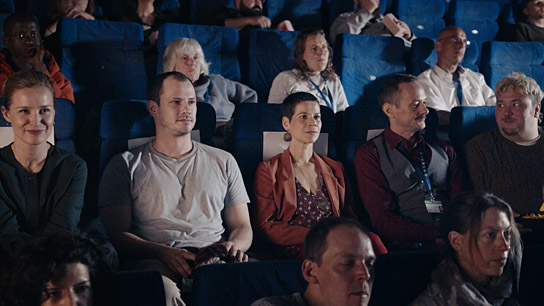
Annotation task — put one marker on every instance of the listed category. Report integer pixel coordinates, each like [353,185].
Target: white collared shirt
[442,94]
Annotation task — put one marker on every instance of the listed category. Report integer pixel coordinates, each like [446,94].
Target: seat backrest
[500,58]
[130,288]
[126,123]
[220,45]
[362,75]
[240,284]
[7,7]
[270,52]
[477,18]
[254,127]
[423,56]
[304,14]
[467,122]
[3,17]
[200,10]
[424,17]
[103,59]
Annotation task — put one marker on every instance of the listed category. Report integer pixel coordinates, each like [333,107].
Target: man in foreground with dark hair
[338,266]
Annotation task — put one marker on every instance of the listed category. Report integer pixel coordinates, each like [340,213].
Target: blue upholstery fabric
[65,124]
[3,17]
[270,52]
[7,6]
[200,10]
[467,122]
[220,45]
[240,284]
[362,75]
[128,119]
[251,120]
[502,58]
[303,14]
[423,56]
[476,18]
[424,17]
[103,59]
[130,288]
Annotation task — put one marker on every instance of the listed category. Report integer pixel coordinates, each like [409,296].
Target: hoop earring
[287,137]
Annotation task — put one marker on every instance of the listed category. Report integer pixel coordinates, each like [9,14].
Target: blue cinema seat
[124,121]
[424,17]
[270,52]
[502,58]
[423,56]
[255,127]
[7,6]
[304,14]
[200,10]
[363,61]
[65,125]
[3,17]
[467,122]
[477,18]
[129,288]
[220,45]
[103,59]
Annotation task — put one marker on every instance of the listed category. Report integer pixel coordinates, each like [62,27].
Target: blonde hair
[183,46]
[525,85]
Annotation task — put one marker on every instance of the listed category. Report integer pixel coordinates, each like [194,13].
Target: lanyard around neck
[329,101]
[421,169]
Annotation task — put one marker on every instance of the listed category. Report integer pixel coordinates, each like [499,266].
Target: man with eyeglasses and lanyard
[448,84]
[24,51]
[404,179]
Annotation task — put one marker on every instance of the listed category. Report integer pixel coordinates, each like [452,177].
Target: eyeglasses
[455,39]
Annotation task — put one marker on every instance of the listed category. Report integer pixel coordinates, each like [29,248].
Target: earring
[287,137]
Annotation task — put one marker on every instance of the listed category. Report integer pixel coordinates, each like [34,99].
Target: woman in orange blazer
[295,189]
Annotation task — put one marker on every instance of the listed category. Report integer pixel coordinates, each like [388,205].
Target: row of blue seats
[104,60]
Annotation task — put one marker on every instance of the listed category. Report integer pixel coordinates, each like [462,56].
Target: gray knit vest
[407,188]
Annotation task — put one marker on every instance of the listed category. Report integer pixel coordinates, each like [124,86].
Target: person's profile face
[305,124]
[534,9]
[316,53]
[71,285]
[23,39]
[176,113]
[31,114]
[346,273]
[489,255]
[410,114]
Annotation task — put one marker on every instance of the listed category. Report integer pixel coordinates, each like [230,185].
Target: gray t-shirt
[177,202]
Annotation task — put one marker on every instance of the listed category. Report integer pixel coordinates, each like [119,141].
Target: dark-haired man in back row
[24,51]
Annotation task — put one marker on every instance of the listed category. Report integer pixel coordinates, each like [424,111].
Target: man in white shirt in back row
[448,84]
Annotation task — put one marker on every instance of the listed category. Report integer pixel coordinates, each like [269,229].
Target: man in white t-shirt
[166,199]
[448,84]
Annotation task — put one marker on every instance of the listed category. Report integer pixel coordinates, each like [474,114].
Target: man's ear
[5,40]
[309,269]
[152,107]
[388,109]
[456,240]
[537,110]
[525,11]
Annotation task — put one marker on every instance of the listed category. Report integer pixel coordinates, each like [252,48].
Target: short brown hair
[25,79]
[155,90]
[389,91]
